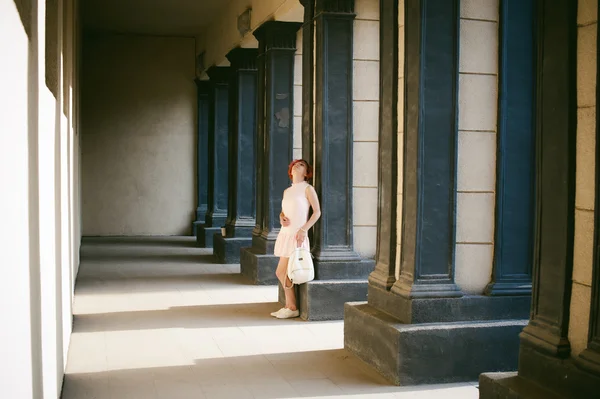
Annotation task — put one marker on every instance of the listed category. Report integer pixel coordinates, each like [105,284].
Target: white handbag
[300,267]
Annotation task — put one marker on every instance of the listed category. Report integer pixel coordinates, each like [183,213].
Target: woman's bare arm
[313,199]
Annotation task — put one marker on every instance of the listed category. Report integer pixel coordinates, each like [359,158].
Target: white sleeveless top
[295,207]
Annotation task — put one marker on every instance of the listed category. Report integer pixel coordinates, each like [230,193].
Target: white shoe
[286,313]
[274,314]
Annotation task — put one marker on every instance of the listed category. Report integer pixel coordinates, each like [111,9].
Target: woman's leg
[290,294]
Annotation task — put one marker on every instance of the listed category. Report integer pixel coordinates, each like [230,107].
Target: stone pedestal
[218,138]
[242,174]
[277,45]
[408,354]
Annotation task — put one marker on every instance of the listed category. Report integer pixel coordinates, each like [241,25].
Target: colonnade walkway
[156,318]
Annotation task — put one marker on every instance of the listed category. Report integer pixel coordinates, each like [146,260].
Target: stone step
[227,250]
[258,268]
[324,299]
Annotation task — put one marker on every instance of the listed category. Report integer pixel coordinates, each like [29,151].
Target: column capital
[202,85]
[339,7]
[243,58]
[309,16]
[277,35]
[218,75]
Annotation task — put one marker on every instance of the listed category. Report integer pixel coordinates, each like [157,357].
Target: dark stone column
[431,128]
[421,330]
[333,245]
[277,42]
[242,174]
[384,275]
[308,86]
[203,87]
[340,273]
[545,363]
[218,137]
[260,140]
[513,244]
[308,80]
[556,128]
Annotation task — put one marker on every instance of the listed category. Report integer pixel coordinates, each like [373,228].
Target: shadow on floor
[155,257]
[143,241]
[316,374]
[200,316]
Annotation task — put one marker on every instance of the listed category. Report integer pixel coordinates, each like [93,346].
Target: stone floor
[155,318]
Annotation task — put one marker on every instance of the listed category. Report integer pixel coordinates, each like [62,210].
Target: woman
[294,231]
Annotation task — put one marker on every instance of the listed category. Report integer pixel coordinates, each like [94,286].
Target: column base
[343,269]
[196,226]
[412,354]
[558,375]
[227,249]
[205,236]
[258,267]
[510,385]
[324,299]
[434,310]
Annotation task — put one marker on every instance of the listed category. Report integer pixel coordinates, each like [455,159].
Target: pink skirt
[286,243]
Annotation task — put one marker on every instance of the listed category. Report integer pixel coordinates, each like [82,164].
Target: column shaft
[217,147]
[515,177]
[260,143]
[555,177]
[335,257]
[308,79]
[242,137]
[279,47]
[384,274]
[203,88]
[431,79]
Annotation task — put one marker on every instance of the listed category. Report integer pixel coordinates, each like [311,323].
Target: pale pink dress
[295,206]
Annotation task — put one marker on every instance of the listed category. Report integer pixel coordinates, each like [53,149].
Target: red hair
[309,169]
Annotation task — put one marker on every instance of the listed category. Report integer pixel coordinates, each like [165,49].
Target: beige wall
[38,159]
[478,103]
[139,135]
[585,177]
[366,125]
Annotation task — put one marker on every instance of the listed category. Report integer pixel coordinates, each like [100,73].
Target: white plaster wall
[17,254]
[138,135]
[478,103]
[366,125]
[33,159]
[585,174]
[298,97]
